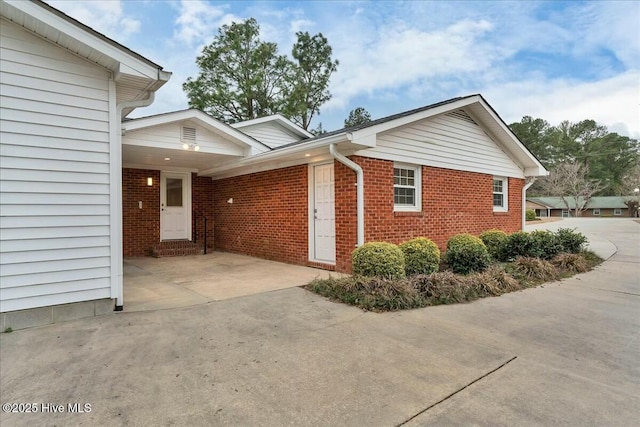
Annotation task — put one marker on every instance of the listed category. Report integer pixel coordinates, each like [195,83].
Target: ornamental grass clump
[573,263]
[466,253]
[494,281]
[378,259]
[534,269]
[421,256]
[494,240]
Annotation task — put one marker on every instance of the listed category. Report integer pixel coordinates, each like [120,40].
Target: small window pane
[497,185]
[498,200]
[174,192]
[404,196]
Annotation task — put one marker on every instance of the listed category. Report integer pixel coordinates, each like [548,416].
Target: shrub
[421,256]
[546,245]
[466,253]
[378,259]
[494,240]
[517,244]
[570,240]
[530,215]
[535,269]
[574,263]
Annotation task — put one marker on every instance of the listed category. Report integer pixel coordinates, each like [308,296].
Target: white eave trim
[281,120]
[142,68]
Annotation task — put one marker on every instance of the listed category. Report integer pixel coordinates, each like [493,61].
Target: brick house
[82,185]
[596,207]
[270,189]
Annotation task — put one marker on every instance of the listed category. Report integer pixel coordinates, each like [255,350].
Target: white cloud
[613,102]
[104,16]
[198,21]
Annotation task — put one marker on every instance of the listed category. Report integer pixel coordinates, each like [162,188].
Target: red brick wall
[140,227]
[452,202]
[268,217]
[269,214]
[202,205]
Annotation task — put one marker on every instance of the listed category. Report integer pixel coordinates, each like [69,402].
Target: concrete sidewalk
[562,354]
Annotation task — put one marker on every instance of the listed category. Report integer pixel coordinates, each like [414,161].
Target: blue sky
[555,60]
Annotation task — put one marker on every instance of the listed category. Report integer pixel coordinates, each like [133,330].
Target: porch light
[150,181]
[193,146]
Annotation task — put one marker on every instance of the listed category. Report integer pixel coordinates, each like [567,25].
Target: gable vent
[188,133]
[462,115]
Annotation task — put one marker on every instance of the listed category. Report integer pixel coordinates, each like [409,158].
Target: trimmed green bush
[530,215]
[494,240]
[546,244]
[378,259]
[421,256]
[570,240]
[466,253]
[518,244]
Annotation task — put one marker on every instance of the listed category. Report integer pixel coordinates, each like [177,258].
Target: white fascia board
[283,121]
[298,149]
[366,133]
[195,115]
[89,39]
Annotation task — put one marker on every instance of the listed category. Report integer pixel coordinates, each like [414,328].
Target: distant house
[597,207]
[83,186]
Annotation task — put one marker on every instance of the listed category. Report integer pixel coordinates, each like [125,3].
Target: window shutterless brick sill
[408,213]
[500,213]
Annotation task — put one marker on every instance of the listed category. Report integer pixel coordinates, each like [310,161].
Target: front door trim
[186,188]
[311,221]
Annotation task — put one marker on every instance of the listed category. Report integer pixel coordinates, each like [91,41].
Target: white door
[324,223]
[175,206]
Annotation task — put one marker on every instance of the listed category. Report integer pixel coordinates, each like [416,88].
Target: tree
[631,190]
[570,181]
[310,81]
[319,130]
[607,155]
[241,77]
[357,116]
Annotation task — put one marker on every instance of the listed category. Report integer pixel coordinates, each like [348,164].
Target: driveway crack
[457,391]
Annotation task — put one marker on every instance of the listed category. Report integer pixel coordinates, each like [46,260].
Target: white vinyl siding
[170,137]
[450,141]
[270,134]
[54,172]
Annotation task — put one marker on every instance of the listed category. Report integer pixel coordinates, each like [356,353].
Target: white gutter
[359,191]
[116,198]
[528,183]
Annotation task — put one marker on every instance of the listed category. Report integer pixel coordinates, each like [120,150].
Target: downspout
[359,190]
[116,197]
[528,183]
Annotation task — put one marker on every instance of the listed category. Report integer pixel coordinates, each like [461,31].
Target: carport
[161,283]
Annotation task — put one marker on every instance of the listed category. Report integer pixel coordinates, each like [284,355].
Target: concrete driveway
[161,283]
[562,354]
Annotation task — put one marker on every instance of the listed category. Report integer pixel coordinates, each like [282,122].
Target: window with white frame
[500,194]
[406,188]
[617,211]
[596,212]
